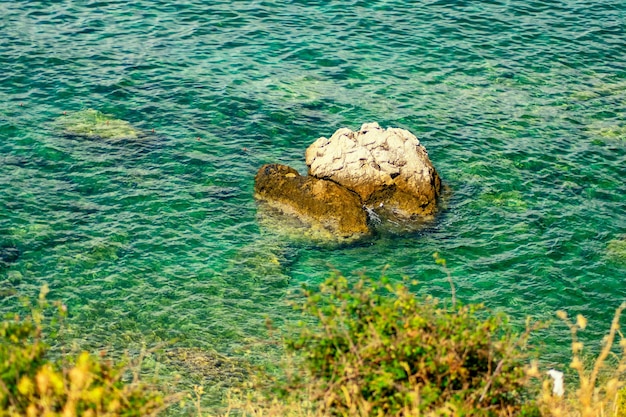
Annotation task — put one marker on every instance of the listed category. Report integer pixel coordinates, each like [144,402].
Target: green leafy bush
[374,348]
[33,385]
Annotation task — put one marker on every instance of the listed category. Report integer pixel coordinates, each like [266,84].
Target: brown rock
[320,203]
[386,168]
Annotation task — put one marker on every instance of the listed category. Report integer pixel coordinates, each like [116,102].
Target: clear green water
[521,105]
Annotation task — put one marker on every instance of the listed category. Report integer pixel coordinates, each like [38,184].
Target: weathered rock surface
[323,204]
[371,179]
[388,169]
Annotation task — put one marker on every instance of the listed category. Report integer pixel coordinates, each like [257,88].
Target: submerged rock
[323,205]
[263,262]
[9,254]
[607,131]
[386,168]
[206,366]
[616,250]
[93,124]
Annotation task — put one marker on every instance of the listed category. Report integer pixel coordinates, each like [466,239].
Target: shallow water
[520,104]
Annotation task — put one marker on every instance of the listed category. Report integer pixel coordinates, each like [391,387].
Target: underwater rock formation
[616,250]
[206,366]
[356,181]
[320,203]
[9,254]
[93,124]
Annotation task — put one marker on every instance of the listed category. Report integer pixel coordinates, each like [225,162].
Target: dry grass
[600,391]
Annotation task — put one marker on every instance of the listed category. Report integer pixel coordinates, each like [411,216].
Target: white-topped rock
[388,168]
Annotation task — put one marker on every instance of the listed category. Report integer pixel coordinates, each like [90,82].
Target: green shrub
[33,385]
[374,348]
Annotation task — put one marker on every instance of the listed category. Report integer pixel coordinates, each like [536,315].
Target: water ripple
[520,104]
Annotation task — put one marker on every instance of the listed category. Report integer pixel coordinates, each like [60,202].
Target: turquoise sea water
[521,105]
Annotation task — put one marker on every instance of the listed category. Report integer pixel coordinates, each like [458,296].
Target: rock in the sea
[93,124]
[9,254]
[371,179]
[616,250]
[206,366]
[388,169]
[323,205]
